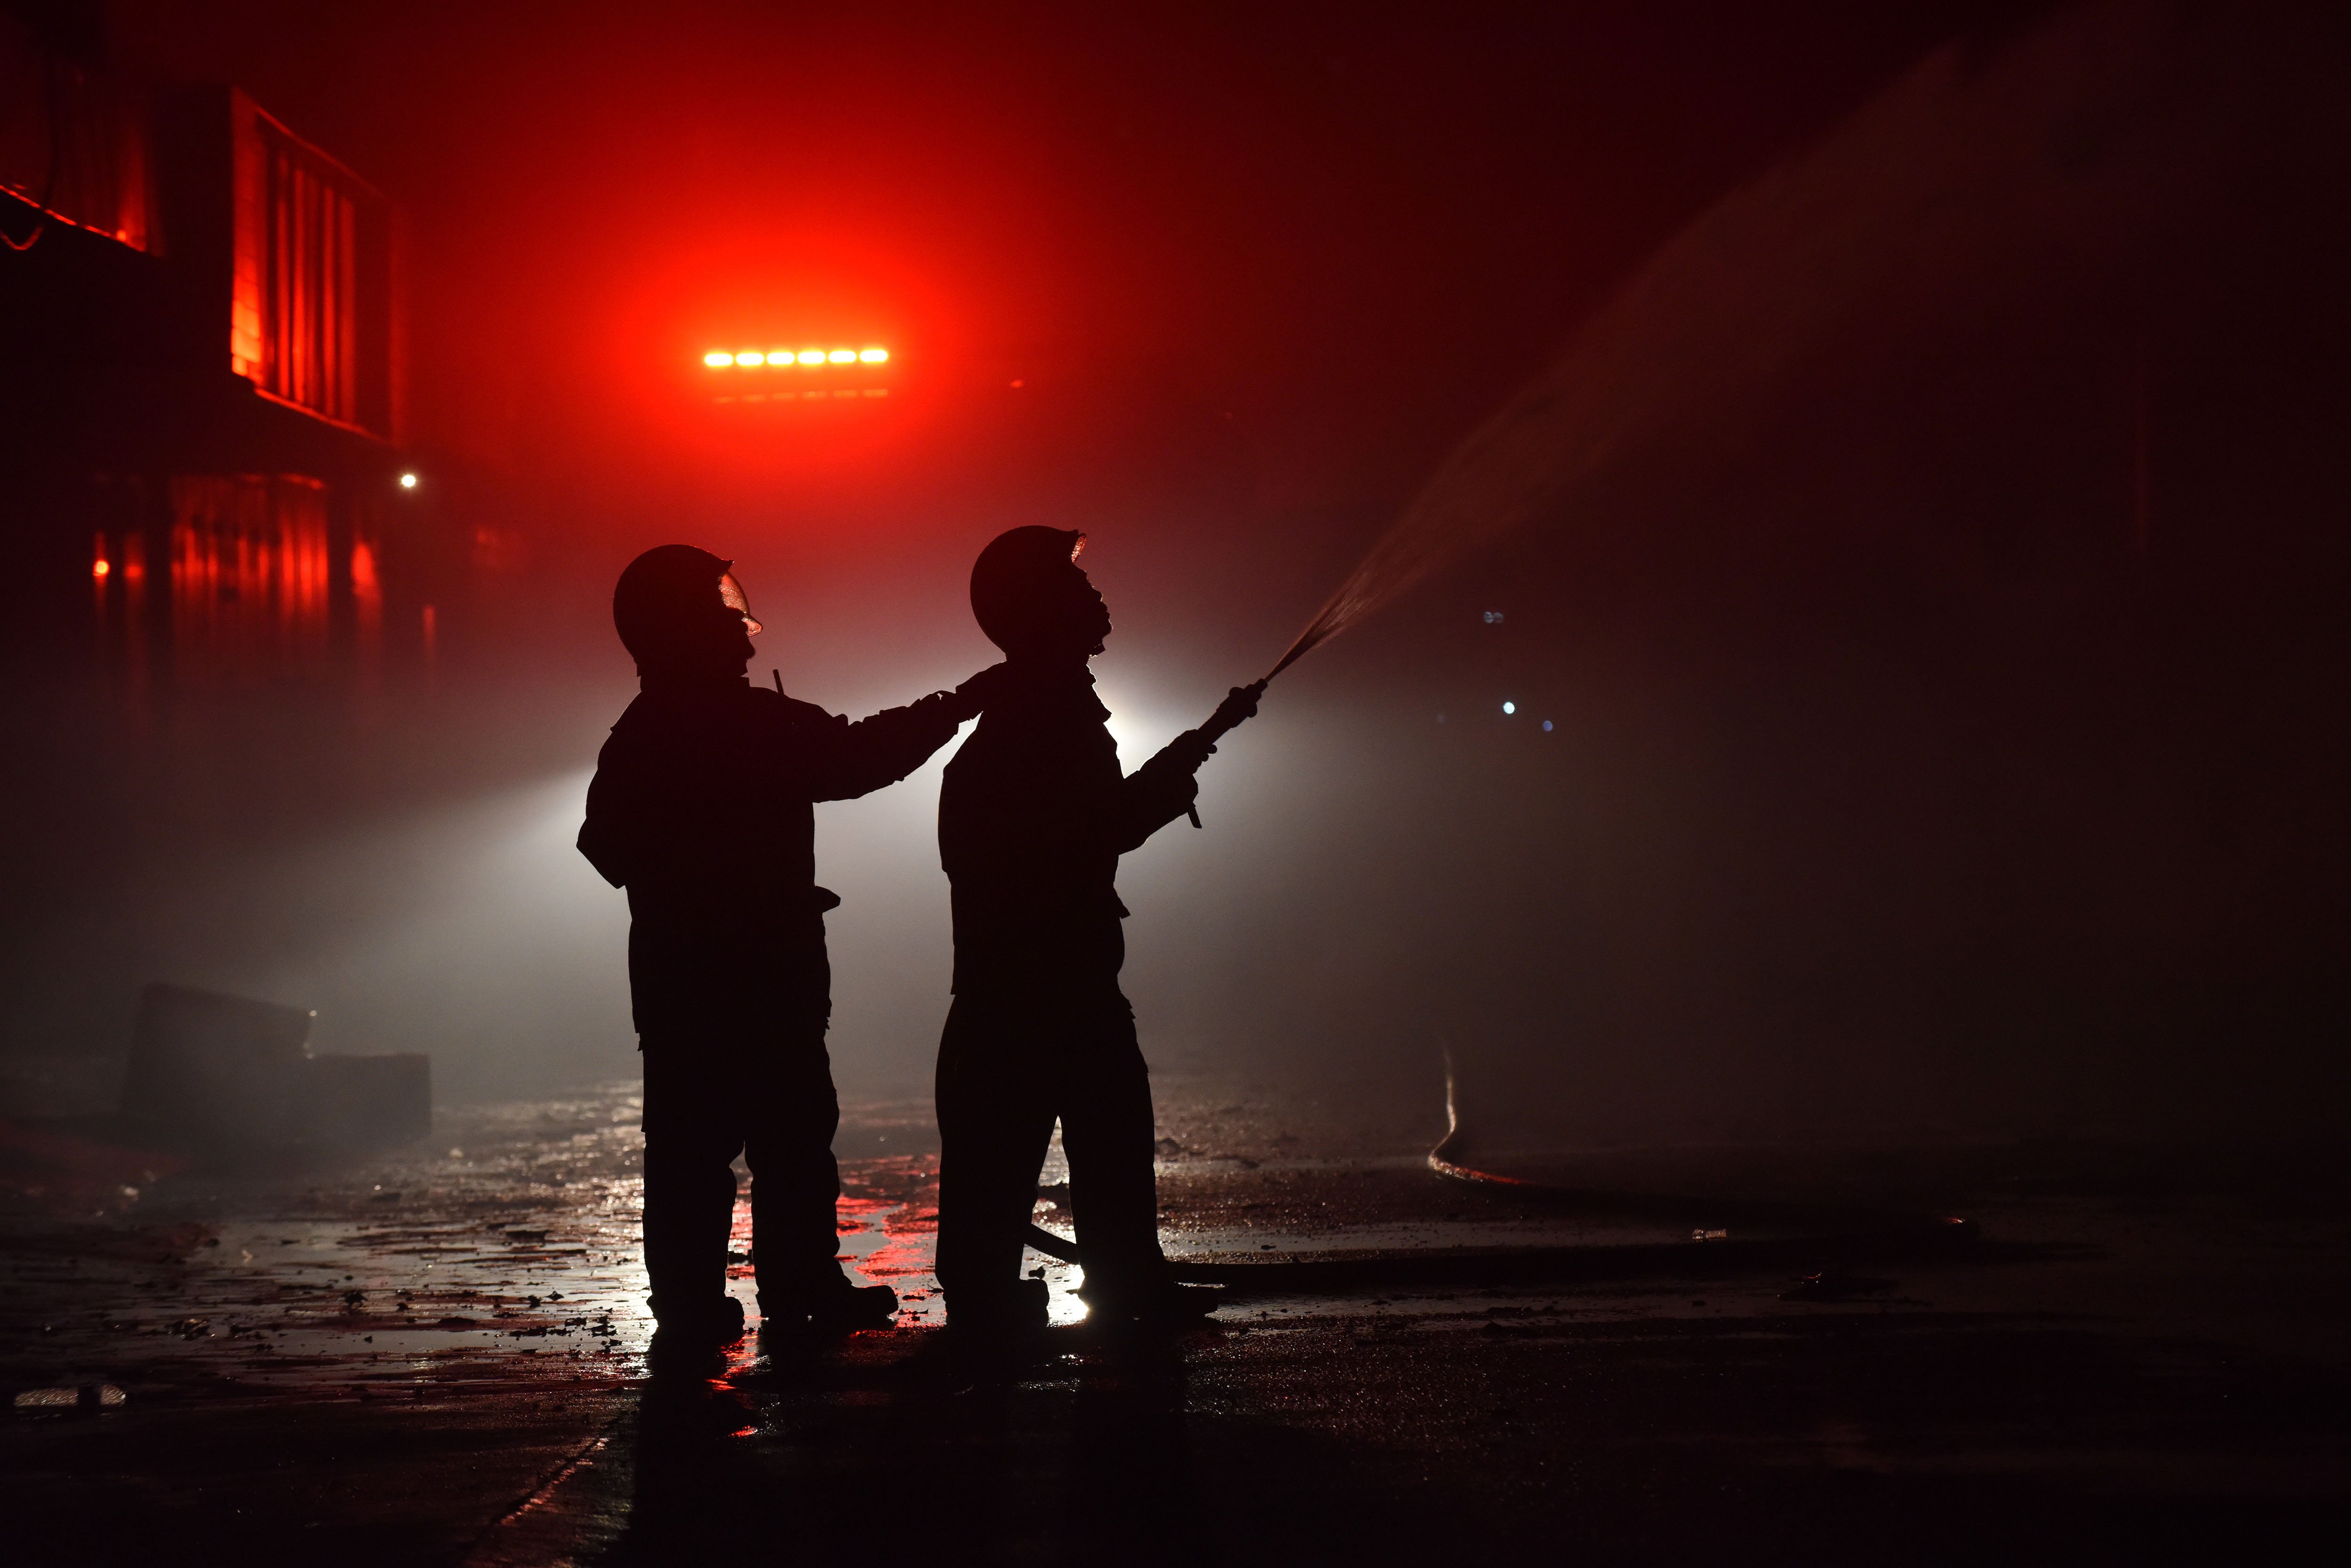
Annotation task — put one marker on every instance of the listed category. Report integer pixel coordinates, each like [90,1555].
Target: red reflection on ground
[892,1239]
[738,1241]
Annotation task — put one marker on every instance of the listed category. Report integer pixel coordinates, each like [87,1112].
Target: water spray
[1326,624]
[1440,524]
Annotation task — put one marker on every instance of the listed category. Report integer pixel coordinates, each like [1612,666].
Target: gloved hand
[972,698]
[1189,750]
[1240,704]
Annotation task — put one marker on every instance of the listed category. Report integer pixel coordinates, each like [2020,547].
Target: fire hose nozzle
[1221,723]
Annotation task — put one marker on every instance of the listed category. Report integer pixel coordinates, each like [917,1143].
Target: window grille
[310,317]
[309,344]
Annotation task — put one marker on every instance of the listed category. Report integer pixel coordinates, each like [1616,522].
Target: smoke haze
[1927,562]
[1918,573]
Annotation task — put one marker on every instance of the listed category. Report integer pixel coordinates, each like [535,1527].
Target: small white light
[811,355]
[407,481]
[874,356]
[842,356]
[1546,727]
[750,357]
[1510,707]
[716,359]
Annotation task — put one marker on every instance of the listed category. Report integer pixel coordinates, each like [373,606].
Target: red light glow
[249,571]
[367,599]
[752,359]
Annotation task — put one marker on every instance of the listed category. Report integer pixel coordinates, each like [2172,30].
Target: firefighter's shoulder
[795,715]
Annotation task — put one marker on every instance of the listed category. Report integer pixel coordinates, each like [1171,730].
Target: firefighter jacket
[701,807]
[1033,814]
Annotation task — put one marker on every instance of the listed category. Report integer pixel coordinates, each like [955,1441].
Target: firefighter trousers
[1008,1070]
[772,1103]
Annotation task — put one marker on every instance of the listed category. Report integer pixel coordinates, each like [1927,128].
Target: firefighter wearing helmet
[701,808]
[1034,813]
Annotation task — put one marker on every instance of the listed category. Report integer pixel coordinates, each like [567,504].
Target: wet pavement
[440,1357]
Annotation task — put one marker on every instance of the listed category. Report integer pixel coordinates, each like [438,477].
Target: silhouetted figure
[1033,815]
[700,807]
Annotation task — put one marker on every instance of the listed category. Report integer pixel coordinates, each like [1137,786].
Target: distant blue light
[1493,618]
[1546,727]
[1510,707]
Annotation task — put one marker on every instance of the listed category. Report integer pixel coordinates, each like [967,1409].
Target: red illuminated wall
[249,573]
[73,143]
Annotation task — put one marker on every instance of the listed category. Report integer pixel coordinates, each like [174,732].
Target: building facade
[204,421]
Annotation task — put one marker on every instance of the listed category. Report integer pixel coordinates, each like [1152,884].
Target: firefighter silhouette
[701,808]
[1033,815]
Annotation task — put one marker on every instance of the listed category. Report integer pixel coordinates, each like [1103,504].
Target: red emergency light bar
[777,358]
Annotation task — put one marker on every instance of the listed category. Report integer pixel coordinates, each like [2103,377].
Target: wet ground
[440,1358]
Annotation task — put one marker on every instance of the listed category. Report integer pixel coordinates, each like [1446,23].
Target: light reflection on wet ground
[506,1252]
[405,1277]
[465,1324]
[514,1235]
